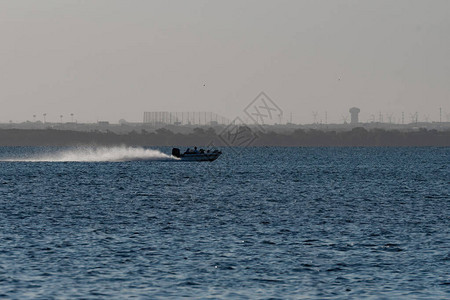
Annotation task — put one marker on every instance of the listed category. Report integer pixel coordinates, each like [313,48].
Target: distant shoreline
[357,137]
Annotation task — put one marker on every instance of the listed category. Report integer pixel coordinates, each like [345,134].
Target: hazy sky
[107,60]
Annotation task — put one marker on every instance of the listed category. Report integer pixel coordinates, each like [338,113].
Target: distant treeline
[242,136]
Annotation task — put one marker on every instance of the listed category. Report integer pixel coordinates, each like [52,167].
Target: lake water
[283,223]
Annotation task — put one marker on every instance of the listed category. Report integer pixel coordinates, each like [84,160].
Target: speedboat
[196,155]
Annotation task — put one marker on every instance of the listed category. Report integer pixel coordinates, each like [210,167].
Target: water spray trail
[100,154]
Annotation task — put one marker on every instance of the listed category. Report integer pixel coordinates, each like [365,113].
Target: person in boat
[190,151]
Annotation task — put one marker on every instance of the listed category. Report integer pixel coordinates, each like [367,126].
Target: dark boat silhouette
[196,155]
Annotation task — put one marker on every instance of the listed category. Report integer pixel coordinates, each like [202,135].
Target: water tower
[354,111]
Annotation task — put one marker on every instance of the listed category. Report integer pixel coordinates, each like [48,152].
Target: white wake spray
[96,154]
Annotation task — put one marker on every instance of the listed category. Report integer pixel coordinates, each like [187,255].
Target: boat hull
[195,155]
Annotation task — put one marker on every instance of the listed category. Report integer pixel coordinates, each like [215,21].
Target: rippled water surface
[256,223]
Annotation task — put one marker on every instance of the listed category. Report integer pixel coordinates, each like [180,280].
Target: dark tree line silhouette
[202,137]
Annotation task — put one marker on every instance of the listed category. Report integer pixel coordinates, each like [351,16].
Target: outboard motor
[176,152]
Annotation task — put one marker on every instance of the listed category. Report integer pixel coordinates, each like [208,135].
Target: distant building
[354,111]
[162,118]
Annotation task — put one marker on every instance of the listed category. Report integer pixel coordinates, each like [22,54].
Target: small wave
[97,154]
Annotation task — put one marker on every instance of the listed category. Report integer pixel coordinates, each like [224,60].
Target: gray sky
[107,60]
